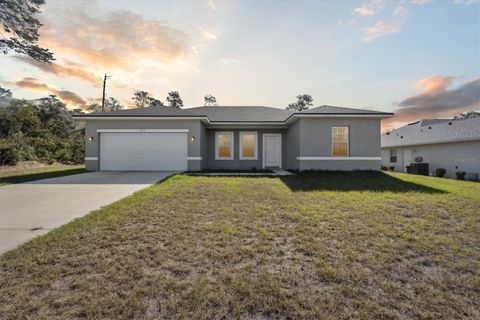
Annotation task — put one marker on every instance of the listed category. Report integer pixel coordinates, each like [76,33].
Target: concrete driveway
[33,208]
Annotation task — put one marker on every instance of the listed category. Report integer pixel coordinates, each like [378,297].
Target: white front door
[272,150]
[407,159]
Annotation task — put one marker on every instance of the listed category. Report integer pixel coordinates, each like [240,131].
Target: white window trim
[217,147]
[255,150]
[348,142]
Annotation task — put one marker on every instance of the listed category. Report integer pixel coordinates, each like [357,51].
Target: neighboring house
[217,137]
[442,143]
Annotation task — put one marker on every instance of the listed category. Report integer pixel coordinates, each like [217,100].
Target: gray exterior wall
[92,148]
[454,156]
[236,163]
[306,137]
[293,144]
[314,139]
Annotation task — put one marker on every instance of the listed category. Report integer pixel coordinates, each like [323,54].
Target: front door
[407,159]
[272,150]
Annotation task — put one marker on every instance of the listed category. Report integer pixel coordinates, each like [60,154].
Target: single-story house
[221,137]
[452,144]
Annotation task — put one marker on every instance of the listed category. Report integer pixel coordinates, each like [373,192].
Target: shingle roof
[144,112]
[429,131]
[341,110]
[243,113]
[230,113]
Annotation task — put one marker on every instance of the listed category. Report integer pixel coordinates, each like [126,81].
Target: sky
[417,58]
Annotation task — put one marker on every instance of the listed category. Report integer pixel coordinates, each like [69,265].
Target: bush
[461,175]
[440,172]
[384,168]
[392,168]
[9,155]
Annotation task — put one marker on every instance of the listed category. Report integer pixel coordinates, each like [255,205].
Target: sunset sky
[417,58]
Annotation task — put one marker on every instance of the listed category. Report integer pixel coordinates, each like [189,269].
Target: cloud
[383,28]
[110,40]
[228,61]
[209,34]
[433,84]
[420,1]
[437,99]
[68,69]
[66,96]
[465,2]
[370,8]
[211,4]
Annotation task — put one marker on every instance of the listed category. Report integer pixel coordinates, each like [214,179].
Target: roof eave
[431,142]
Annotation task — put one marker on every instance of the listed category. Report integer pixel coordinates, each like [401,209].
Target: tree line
[42,130]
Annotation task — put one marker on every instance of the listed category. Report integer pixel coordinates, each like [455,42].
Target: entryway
[272,150]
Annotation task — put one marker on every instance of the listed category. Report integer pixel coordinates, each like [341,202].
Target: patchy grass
[24,175]
[313,246]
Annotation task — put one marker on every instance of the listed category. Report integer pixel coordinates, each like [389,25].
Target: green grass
[313,246]
[25,175]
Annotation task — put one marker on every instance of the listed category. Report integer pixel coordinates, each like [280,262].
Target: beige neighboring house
[452,144]
[233,138]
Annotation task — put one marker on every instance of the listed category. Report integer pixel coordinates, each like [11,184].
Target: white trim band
[339,158]
[194,158]
[143,130]
[91,158]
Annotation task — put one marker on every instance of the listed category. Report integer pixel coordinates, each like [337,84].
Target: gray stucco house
[452,144]
[220,137]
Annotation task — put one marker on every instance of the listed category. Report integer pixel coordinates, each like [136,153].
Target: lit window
[224,145]
[393,155]
[248,145]
[340,141]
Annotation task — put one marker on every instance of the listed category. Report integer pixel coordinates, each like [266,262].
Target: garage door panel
[143,151]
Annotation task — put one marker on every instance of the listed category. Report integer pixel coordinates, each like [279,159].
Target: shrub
[461,175]
[384,168]
[440,172]
[9,155]
[392,168]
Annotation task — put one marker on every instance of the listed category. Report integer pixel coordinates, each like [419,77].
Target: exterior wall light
[192,139]
[90,139]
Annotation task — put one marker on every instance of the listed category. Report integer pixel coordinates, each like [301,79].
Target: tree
[174,99]
[4,92]
[112,104]
[54,114]
[468,115]
[210,100]
[94,107]
[154,102]
[19,22]
[304,101]
[141,98]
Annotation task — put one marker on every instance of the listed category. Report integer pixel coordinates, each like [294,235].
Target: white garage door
[143,151]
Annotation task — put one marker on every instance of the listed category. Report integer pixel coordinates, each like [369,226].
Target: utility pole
[105,78]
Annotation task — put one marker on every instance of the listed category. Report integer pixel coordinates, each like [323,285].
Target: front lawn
[313,246]
[10,176]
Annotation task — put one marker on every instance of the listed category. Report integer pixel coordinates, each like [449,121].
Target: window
[223,145]
[393,155]
[248,146]
[340,141]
